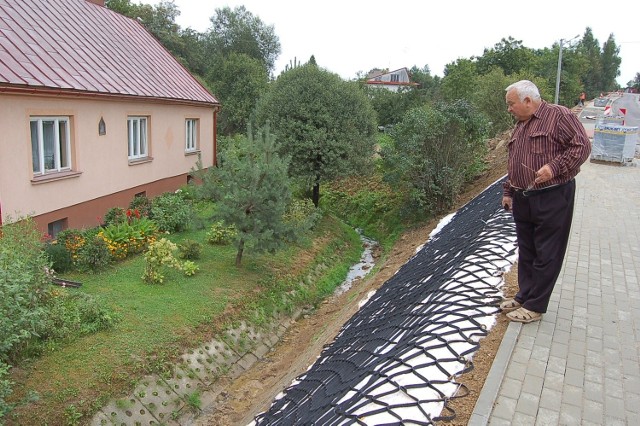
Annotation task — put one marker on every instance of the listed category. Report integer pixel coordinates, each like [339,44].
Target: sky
[349,37]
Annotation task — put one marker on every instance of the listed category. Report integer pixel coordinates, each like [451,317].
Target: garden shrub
[220,234]
[189,268]
[94,255]
[72,239]
[302,215]
[190,249]
[5,390]
[132,236]
[142,204]
[159,255]
[72,313]
[23,284]
[59,256]
[171,212]
[115,215]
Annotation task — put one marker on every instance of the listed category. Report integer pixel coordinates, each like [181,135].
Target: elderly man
[547,147]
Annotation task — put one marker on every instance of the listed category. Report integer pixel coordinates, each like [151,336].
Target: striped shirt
[554,136]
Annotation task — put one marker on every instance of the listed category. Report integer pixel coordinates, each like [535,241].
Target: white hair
[524,89]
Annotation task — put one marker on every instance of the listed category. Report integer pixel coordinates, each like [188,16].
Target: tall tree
[591,76]
[238,81]
[635,83]
[326,125]
[435,150]
[459,79]
[254,192]
[610,64]
[509,54]
[239,31]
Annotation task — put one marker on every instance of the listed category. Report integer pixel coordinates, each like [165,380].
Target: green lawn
[159,322]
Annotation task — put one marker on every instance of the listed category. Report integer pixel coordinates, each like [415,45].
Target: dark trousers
[543,223]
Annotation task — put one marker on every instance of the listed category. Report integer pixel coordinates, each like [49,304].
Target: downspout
[215,135]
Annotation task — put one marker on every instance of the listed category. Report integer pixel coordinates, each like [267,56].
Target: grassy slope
[160,321]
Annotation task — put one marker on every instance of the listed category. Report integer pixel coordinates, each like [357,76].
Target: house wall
[105,176]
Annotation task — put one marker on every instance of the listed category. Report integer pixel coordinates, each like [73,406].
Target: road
[630,102]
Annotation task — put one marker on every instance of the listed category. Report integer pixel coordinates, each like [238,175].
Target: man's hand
[507,203]
[544,174]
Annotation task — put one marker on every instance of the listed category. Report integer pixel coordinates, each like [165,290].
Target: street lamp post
[555,101]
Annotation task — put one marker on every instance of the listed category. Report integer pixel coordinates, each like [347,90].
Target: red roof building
[94,110]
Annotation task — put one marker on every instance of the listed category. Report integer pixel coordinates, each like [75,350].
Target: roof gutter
[30,90]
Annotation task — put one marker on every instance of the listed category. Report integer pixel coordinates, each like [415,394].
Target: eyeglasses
[533,183]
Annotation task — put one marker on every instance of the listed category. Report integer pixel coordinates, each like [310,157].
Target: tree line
[322,127]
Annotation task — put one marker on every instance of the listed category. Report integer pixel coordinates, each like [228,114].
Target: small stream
[362,268]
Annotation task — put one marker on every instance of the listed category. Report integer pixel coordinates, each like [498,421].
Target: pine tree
[254,192]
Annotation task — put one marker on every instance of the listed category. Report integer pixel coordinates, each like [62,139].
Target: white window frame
[138,137]
[191,134]
[62,149]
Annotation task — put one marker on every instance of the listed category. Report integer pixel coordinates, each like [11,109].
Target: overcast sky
[351,36]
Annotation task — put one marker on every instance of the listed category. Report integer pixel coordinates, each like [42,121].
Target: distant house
[394,80]
[93,111]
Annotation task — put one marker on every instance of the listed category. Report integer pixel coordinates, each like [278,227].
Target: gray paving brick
[570,414]
[594,391]
[497,421]
[574,377]
[572,395]
[550,399]
[523,419]
[516,371]
[533,385]
[510,387]
[527,404]
[505,408]
[547,417]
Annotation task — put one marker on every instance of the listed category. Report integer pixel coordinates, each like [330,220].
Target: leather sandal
[524,315]
[509,305]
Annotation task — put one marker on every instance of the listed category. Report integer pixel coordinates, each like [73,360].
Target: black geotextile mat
[391,361]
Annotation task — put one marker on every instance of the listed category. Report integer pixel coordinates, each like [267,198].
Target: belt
[532,192]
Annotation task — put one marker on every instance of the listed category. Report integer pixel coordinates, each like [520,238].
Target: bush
[23,284]
[59,257]
[5,390]
[159,255]
[189,268]
[190,250]
[220,234]
[171,212]
[301,215]
[142,204]
[115,215]
[130,237]
[72,240]
[72,313]
[94,255]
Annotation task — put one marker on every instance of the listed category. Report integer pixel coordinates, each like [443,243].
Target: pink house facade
[93,112]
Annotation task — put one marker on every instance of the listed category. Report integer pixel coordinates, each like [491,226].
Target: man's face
[521,110]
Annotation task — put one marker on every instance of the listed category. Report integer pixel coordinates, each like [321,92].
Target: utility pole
[555,101]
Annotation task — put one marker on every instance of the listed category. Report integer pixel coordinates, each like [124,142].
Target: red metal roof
[78,46]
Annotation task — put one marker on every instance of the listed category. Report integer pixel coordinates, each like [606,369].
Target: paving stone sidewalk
[581,364]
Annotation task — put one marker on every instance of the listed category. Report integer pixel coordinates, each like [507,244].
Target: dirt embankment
[254,391]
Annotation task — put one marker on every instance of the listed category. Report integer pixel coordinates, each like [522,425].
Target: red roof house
[94,111]
[393,81]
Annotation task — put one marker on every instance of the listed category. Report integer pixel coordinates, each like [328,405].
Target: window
[395,78]
[50,144]
[56,227]
[191,136]
[138,144]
